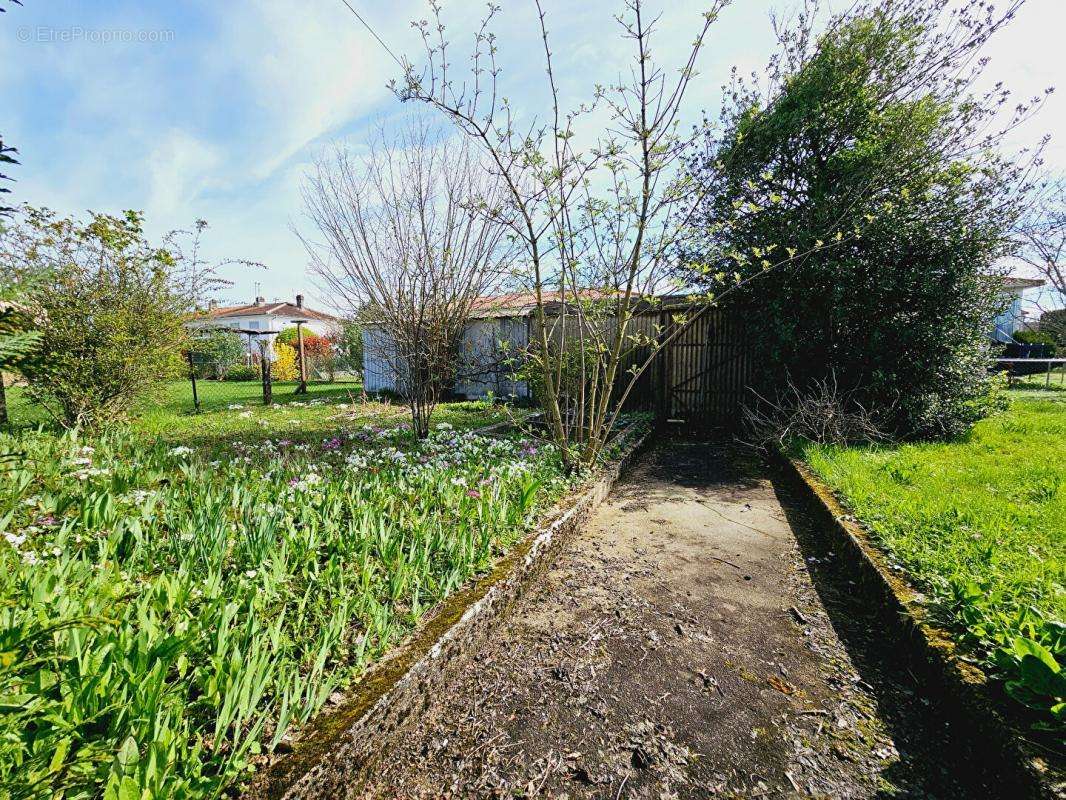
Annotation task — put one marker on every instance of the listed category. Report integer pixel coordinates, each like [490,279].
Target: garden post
[3,401]
[268,391]
[192,377]
[302,388]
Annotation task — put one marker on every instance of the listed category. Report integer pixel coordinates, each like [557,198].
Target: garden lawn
[166,616]
[980,526]
[234,410]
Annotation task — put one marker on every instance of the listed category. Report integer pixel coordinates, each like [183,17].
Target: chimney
[260,301]
[212,304]
[299,301]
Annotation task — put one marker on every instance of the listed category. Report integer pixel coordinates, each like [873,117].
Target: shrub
[1035,337]
[114,306]
[243,373]
[1054,323]
[863,167]
[215,352]
[284,366]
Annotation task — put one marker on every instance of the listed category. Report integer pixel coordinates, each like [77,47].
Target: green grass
[233,410]
[980,526]
[167,614]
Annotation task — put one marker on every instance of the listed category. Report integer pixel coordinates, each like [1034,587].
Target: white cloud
[179,168]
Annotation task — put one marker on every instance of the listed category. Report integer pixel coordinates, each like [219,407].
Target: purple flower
[331,444]
[473,493]
[48,521]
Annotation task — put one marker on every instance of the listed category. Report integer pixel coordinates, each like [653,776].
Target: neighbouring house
[1015,317]
[260,322]
[498,327]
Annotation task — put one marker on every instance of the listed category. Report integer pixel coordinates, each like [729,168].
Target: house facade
[498,327]
[260,322]
[1014,317]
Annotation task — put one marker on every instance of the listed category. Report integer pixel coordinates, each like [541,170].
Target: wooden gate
[705,371]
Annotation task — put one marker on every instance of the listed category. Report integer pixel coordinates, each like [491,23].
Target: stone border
[968,694]
[329,755]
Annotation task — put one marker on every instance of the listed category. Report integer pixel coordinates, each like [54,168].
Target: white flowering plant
[166,618]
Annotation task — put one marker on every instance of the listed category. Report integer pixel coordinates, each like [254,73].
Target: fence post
[192,377]
[268,389]
[302,388]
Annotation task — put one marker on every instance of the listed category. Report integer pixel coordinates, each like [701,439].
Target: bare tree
[1043,236]
[411,236]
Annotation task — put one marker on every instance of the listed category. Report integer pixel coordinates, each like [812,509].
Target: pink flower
[473,493]
[47,521]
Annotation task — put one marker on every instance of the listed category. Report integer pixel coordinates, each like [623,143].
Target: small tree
[113,304]
[1042,233]
[411,237]
[599,214]
[216,351]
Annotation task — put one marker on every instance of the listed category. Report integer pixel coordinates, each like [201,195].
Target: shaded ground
[697,640]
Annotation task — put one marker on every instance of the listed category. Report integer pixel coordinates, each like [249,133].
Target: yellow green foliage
[284,366]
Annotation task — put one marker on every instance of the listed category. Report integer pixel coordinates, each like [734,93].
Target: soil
[698,639]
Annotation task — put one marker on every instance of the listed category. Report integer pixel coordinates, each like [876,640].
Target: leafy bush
[243,373]
[1054,323]
[114,306]
[863,167]
[216,351]
[284,367]
[1035,337]
[313,343]
[164,618]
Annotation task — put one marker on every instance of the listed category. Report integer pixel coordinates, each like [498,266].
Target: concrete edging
[330,754]
[967,691]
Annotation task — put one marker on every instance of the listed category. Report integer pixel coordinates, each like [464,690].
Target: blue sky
[216,109]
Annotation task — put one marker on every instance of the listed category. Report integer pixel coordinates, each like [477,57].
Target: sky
[217,110]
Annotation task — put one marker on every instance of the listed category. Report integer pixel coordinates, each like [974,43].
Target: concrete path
[699,639]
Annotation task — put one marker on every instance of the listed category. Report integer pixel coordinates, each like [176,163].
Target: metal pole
[3,401]
[268,389]
[192,377]
[302,388]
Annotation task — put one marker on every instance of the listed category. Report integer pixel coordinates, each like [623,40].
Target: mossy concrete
[335,745]
[965,691]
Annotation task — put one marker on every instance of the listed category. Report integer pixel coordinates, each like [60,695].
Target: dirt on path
[698,639]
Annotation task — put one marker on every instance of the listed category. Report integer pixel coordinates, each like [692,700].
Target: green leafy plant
[242,373]
[866,150]
[114,307]
[164,618]
[215,352]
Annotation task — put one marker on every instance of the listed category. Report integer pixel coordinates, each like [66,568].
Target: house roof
[520,304]
[267,309]
[1018,282]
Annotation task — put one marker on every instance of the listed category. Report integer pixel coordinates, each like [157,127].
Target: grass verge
[980,526]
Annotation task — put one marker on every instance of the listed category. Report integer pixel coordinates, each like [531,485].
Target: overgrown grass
[980,525]
[164,617]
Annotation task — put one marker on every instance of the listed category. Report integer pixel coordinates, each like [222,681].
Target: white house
[260,322]
[483,363]
[1013,318]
